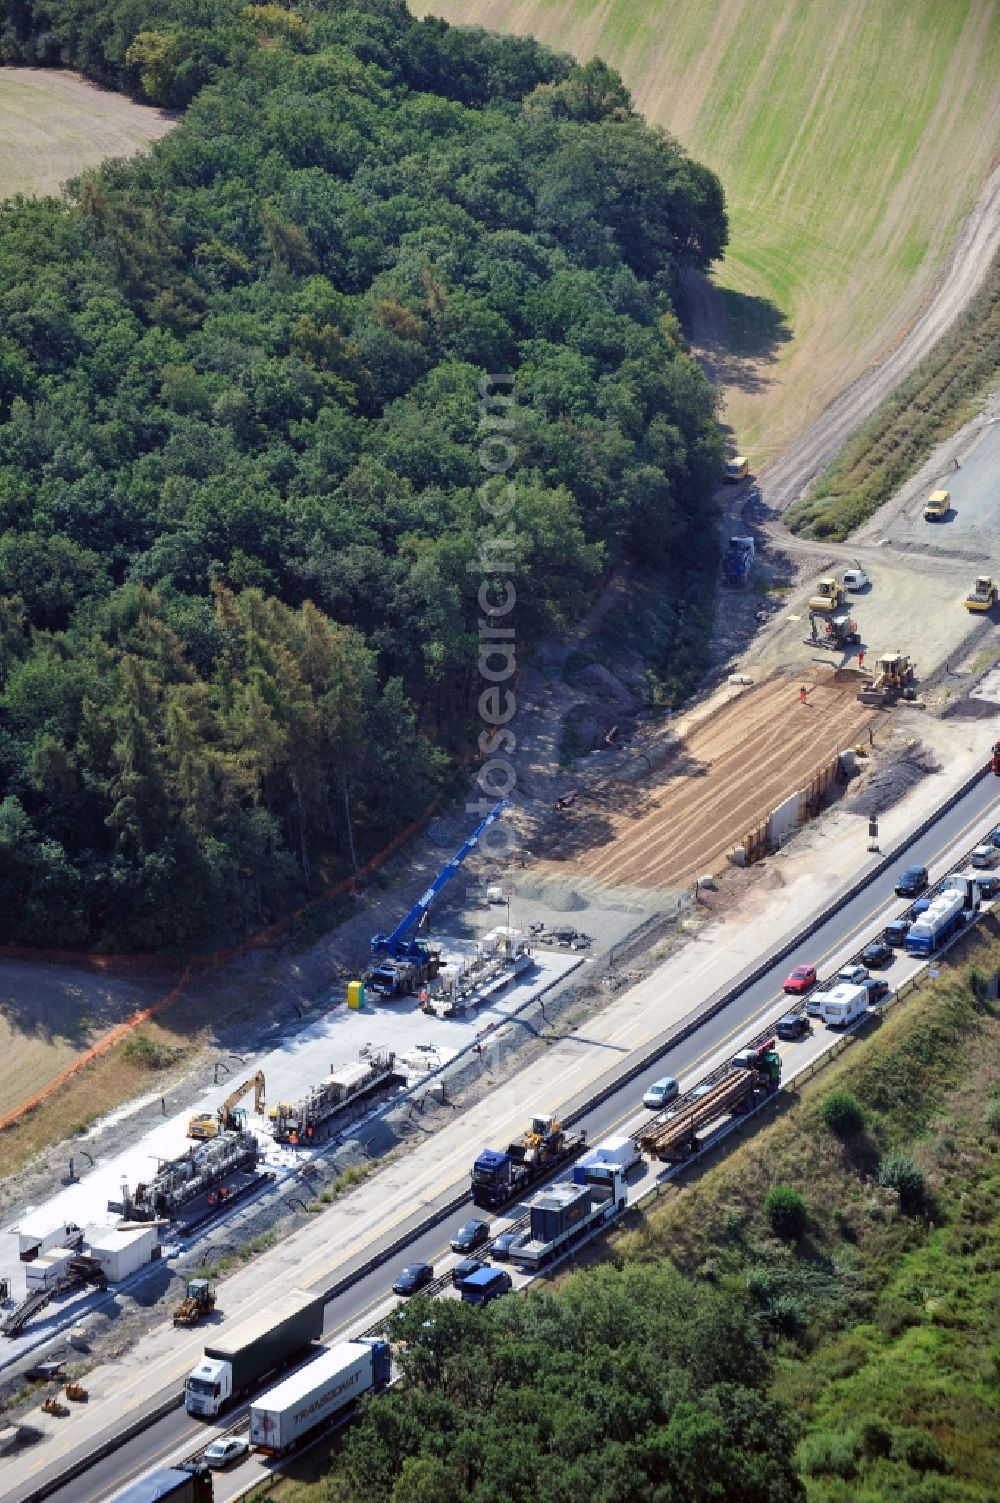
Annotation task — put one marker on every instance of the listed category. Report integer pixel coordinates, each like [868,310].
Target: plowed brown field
[722,781]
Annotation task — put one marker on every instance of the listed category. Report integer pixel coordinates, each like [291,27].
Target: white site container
[39,1233]
[49,1267]
[120,1253]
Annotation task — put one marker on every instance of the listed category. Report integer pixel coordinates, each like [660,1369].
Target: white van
[843,1005]
[855,579]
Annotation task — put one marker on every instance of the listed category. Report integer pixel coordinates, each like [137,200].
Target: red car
[802,980]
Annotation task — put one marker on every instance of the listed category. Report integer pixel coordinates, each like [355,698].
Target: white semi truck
[237,1359]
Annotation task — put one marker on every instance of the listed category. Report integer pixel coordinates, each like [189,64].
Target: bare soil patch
[719,782]
[54,125]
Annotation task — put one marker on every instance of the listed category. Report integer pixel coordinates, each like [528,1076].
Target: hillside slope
[851,139]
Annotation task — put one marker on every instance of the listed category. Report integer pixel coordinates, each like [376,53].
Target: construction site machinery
[401,962]
[208,1125]
[893,677]
[78,1272]
[837,632]
[983,595]
[300,1122]
[737,469]
[567,1214]
[755,1074]
[938,506]
[502,1175]
[737,561]
[829,595]
[198,1302]
[200,1171]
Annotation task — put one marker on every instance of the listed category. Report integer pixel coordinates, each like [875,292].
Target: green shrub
[991,1116]
[894,1316]
[875,1438]
[900,1172]
[829,1453]
[842,1113]
[787,1212]
[920,1451]
[140,1049]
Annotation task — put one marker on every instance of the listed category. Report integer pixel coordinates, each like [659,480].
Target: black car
[877,954]
[794,1025]
[876,988]
[470,1236]
[503,1244]
[462,1270]
[413,1277]
[912,882]
[895,933]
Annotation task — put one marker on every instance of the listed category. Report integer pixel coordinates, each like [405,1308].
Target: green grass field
[851,138]
[53,125]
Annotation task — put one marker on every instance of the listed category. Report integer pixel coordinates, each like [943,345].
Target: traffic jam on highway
[546,1192]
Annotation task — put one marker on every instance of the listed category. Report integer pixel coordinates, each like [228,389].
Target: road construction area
[718,782]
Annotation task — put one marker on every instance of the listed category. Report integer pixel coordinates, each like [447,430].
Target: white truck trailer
[318,1392]
[844,1004]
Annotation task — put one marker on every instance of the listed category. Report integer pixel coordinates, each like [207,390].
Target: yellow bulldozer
[893,677]
[228,1119]
[198,1302]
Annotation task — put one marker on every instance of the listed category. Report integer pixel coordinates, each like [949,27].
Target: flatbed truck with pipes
[236,1360]
[505,1174]
[752,1076]
[566,1214]
[324,1390]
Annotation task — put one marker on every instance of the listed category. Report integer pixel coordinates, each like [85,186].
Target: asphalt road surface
[757,1004]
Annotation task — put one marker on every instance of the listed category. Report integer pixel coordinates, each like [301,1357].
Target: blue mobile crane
[401,962]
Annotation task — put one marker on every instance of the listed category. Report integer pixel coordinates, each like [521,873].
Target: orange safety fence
[199,967]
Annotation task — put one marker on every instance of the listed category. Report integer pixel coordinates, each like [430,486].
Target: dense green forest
[632,1387]
[240,428]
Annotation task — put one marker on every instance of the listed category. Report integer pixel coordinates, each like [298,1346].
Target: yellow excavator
[198,1301]
[228,1119]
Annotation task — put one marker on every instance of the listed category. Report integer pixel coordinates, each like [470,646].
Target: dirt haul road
[720,782]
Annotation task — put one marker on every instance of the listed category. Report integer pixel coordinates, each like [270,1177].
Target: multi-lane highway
[849,925]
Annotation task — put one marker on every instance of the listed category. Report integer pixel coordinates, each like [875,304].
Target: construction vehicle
[754,1075]
[567,1214]
[299,1122]
[207,1125]
[76,1392]
[838,632]
[938,503]
[236,1359]
[199,1172]
[893,677]
[829,595]
[402,963]
[501,1175]
[983,595]
[198,1301]
[737,561]
[737,469]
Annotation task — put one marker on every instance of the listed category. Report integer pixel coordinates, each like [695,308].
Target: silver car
[222,1452]
[660,1093]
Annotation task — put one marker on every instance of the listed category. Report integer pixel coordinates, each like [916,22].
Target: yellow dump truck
[737,469]
[983,595]
[937,506]
[828,597]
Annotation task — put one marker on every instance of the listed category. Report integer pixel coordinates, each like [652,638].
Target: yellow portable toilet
[355,994]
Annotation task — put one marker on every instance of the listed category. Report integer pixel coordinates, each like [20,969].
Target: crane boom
[395,944]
